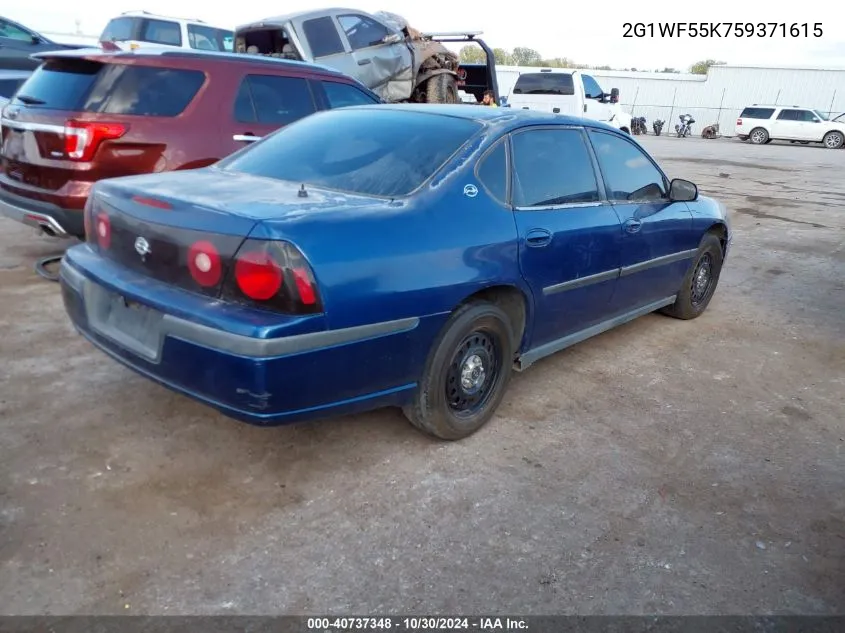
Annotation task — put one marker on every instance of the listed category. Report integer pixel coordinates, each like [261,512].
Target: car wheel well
[721,232]
[511,301]
[626,130]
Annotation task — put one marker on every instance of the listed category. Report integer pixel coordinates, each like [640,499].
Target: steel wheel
[472,373]
[702,279]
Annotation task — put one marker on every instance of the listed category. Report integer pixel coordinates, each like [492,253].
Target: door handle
[364,62]
[585,107]
[556,110]
[632,225]
[538,237]
[249,137]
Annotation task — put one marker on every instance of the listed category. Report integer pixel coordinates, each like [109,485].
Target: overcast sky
[588,32]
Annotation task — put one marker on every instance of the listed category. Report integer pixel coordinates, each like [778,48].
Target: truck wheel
[442,89]
[833,140]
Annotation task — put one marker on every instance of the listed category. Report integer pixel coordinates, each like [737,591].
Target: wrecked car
[381,50]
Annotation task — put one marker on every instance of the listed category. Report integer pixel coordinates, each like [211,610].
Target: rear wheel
[442,89]
[700,281]
[758,136]
[466,374]
[833,140]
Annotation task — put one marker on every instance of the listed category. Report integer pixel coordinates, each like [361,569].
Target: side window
[552,167]
[14,32]
[118,29]
[341,95]
[322,36]
[591,87]
[244,110]
[143,90]
[492,171]
[362,31]
[628,173]
[280,100]
[162,32]
[788,115]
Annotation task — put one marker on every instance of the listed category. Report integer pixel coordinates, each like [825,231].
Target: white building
[718,96]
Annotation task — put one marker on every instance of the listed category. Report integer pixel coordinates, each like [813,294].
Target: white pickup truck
[564,91]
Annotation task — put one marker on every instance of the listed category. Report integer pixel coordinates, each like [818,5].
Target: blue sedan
[388,255]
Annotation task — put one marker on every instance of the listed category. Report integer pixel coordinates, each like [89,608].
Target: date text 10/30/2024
[722,29]
[331,625]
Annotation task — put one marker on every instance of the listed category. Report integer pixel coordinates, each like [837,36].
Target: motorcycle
[711,131]
[657,126]
[685,128]
[638,125]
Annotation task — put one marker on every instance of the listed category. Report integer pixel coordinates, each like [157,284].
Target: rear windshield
[544,84]
[88,86]
[387,153]
[757,113]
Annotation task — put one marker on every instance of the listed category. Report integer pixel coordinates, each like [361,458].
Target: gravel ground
[665,467]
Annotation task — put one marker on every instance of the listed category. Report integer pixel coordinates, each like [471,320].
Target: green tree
[503,57]
[523,56]
[472,54]
[701,68]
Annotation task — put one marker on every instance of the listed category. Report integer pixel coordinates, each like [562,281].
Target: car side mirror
[681,190]
[614,95]
[36,40]
[392,38]
[815,120]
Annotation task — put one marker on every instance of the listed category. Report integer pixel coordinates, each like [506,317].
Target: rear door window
[162,32]
[119,29]
[544,84]
[322,36]
[757,113]
[143,90]
[275,100]
[341,95]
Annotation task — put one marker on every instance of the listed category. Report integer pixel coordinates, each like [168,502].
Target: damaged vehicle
[381,50]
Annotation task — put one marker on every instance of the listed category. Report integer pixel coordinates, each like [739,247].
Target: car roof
[287,17]
[100,54]
[497,117]
[14,74]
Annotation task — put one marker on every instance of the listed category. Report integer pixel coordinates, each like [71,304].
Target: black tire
[442,88]
[834,139]
[443,405]
[758,136]
[694,297]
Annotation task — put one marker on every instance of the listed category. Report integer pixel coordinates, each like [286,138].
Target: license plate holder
[128,323]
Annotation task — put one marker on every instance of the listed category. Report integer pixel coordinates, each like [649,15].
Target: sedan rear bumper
[256,380]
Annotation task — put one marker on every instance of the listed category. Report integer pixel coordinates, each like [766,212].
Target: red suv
[87,115]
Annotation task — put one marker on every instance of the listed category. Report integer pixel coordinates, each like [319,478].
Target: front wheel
[466,374]
[833,140]
[700,282]
[442,88]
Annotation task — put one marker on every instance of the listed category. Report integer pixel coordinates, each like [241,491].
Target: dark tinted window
[162,32]
[592,90]
[279,100]
[8,87]
[60,84]
[756,113]
[628,172]
[119,29]
[362,31]
[322,37]
[143,90]
[341,95]
[552,167]
[244,111]
[796,115]
[385,153]
[207,38]
[493,172]
[544,84]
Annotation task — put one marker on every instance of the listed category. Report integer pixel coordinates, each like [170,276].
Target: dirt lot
[665,467]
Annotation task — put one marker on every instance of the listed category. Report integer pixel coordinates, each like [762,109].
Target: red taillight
[204,264]
[152,202]
[82,138]
[258,275]
[274,275]
[103,228]
[739,121]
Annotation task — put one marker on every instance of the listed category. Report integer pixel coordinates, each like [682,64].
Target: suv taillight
[265,273]
[82,138]
[739,121]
